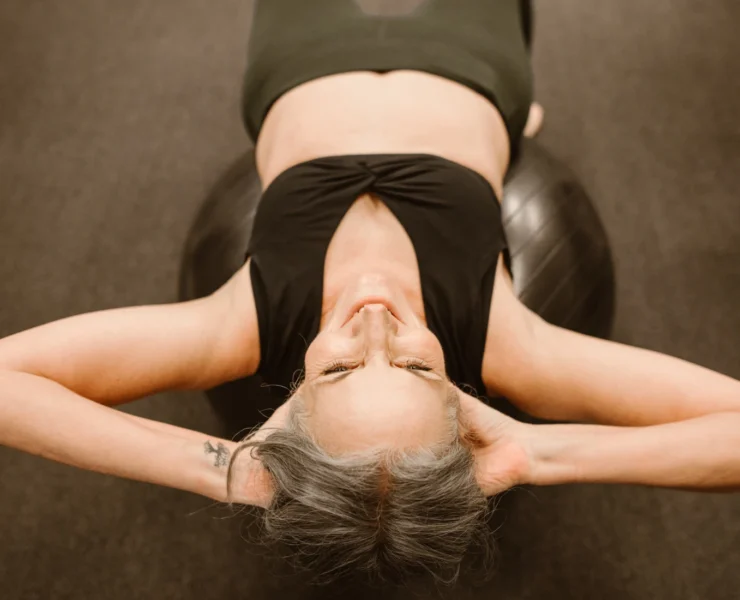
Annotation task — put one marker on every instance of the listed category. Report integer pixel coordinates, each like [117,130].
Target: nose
[376,325]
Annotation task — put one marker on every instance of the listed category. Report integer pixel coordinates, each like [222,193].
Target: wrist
[523,436]
[211,469]
[553,454]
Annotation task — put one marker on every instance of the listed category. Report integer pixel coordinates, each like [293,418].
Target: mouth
[360,304]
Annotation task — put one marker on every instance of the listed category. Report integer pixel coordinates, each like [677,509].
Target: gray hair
[390,513]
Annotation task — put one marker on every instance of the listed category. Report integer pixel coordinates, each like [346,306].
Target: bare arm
[49,374]
[600,381]
[701,454]
[556,374]
[44,418]
[41,417]
[118,355]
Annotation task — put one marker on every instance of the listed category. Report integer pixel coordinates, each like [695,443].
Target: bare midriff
[401,112]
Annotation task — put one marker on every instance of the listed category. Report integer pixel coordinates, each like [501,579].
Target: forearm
[180,432]
[44,418]
[699,454]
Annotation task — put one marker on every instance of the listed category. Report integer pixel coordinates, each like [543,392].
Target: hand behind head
[252,484]
[499,442]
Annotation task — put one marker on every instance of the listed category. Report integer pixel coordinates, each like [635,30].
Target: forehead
[377,401]
[362,412]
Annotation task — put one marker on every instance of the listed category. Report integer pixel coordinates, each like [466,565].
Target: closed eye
[412,364]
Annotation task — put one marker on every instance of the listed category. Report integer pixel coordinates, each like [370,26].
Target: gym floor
[116,117]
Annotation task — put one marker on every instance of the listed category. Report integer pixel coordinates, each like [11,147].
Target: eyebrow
[346,374]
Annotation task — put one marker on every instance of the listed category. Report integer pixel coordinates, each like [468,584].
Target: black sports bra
[449,212]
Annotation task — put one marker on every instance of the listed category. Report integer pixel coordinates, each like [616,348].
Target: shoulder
[510,348]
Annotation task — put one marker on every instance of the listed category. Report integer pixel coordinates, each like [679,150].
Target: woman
[382,142]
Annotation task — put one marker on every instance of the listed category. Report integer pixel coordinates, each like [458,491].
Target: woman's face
[375,375]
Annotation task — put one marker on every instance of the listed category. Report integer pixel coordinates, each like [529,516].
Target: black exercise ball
[561,261]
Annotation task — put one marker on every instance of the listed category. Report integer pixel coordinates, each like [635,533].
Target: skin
[375,379]
[380,113]
[643,405]
[380,403]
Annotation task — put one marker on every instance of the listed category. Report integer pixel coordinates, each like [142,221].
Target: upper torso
[394,113]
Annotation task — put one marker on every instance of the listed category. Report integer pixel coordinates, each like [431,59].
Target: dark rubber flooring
[116,117]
